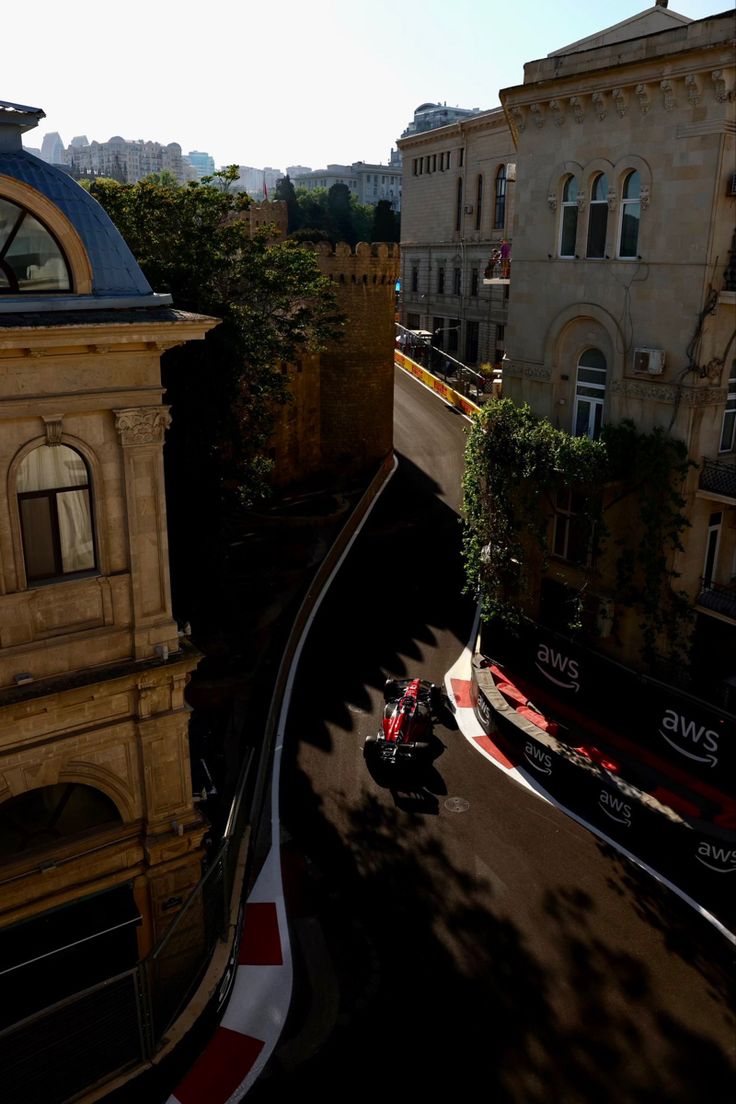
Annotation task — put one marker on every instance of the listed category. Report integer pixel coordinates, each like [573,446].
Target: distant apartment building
[367,182]
[52,149]
[202,163]
[127,161]
[258,183]
[297,170]
[429,116]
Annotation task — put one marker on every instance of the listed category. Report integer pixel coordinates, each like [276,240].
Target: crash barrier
[452,393]
[114,1027]
[624,799]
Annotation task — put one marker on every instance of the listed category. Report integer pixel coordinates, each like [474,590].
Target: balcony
[497,272]
[718,479]
[718,598]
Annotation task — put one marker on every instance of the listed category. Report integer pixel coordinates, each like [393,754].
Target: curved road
[466,937]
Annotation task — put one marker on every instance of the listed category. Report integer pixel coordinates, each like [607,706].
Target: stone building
[369,183]
[100,836]
[458,196]
[340,422]
[622,290]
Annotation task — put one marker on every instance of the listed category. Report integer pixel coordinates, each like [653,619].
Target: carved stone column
[141,431]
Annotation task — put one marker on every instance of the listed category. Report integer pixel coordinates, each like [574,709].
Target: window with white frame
[712,542]
[590,393]
[728,431]
[630,214]
[569,217]
[55,513]
[597,217]
[571,537]
[31,260]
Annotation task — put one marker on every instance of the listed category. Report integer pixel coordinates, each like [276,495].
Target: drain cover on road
[457,805]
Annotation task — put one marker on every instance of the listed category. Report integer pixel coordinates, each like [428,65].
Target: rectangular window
[460,157]
[434,162]
[597,222]
[441,280]
[415,277]
[474,281]
[569,230]
[453,335]
[571,536]
[728,432]
[629,230]
[412,321]
[456,281]
[472,330]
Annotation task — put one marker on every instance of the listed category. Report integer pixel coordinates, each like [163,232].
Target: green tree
[194,242]
[386,226]
[340,224]
[285,191]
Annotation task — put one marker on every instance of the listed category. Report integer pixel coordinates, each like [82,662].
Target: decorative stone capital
[644,196]
[693,89]
[619,99]
[611,199]
[599,103]
[719,86]
[54,428]
[537,114]
[642,94]
[142,425]
[577,108]
[668,94]
[518,117]
[558,115]
[552,201]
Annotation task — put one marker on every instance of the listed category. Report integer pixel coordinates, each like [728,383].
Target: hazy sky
[279,83]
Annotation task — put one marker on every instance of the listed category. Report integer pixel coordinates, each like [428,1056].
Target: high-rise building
[428,116]
[202,163]
[52,149]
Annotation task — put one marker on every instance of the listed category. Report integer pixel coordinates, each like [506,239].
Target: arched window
[31,261]
[630,213]
[53,814]
[459,204]
[590,393]
[55,513]
[499,208]
[479,202]
[598,217]
[569,218]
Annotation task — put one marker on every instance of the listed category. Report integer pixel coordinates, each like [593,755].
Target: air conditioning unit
[649,361]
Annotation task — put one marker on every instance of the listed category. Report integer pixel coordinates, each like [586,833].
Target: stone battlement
[370,263]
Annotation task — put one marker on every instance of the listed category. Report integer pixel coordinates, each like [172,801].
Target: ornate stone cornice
[557,112]
[668,95]
[619,99]
[669,393]
[142,425]
[578,110]
[599,103]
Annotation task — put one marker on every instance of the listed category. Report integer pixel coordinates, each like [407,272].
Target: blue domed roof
[115,271]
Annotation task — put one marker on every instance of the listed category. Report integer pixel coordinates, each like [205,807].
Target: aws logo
[615,808]
[483,711]
[558,668]
[722,860]
[538,758]
[689,738]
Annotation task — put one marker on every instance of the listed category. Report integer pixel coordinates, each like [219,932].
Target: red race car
[406,733]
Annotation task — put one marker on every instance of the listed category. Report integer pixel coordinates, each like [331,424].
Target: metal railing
[719,477]
[718,597]
[461,377]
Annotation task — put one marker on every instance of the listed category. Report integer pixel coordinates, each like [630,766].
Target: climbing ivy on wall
[516,466]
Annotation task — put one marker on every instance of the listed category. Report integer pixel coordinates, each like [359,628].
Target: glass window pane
[590,392]
[593,358]
[629,230]
[632,186]
[592,375]
[582,417]
[597,222]
[36,259]
[49,467]
[570,191]
[9,215]
[600,188]
[75,531]
[728,434]
[569,231]
[38,540]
